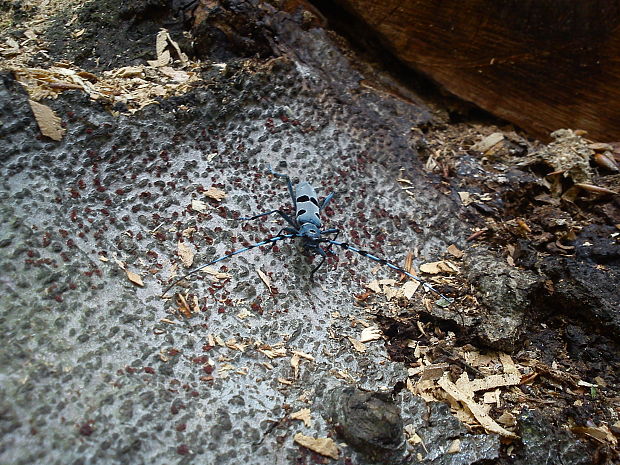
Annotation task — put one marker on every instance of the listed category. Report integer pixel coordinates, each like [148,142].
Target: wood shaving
[264,278]
[303,355]
[49,123]
[199,206]
[134,278]
[476,409]
[443,266]
[215,194]
[217,274]
[303,415]
[357,344]
[371,333]
[186,254]
[455,251]
[323,446]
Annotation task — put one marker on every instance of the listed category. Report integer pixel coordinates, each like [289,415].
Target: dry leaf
[215,194]
[323,446]
[186,254]
[183,306]
[601,433]
[466,198]
[49,123]
[134,278]
[303,355]
[303,415]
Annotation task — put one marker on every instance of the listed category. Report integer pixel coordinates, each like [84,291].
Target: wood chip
[49,123]
[494,381]
[409,288]
[295,365]
[213,272]
[476,409]
[303,415]
[323,446]
[488,142]
[372,333]
[134,278]
[455,251]
[199,206]
[443,266]
[357,344]
[455,447]
[186,254]
[264,278]
[215,194]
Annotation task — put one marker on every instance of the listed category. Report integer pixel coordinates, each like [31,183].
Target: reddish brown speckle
[149,370]
[86,429]
[208,369]
[183,449]
[181,427]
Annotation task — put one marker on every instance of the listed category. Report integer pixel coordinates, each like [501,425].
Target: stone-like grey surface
[90,372]
[506,292]
[439,429]
[547,443]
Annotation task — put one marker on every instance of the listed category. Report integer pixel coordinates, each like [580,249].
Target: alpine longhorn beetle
[307,225]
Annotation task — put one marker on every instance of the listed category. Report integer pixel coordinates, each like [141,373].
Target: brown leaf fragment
[303,415]
[134,278]
[49,123]
[215,194]
[323,446]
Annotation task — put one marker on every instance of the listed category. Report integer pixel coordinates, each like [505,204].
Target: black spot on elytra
[303,198]
[301,212]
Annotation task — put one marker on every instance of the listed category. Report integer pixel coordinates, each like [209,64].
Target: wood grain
[541,64]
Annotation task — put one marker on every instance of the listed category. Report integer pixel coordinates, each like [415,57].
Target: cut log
[541,64]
